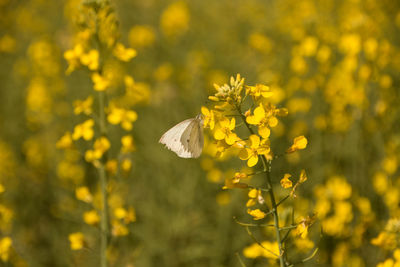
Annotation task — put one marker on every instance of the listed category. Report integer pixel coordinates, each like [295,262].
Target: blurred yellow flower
[83,106]
[380,182]
[73,57]
[303,176]
[385,240]
[7,44]
[122,116]
[101,145]
[91,217]
[118,229]
[77,240]
[260,42]
[126,165]
[100,82]
[90,59]
[141,36]
[124,54]
[84,130]
[223,198]
[120,213]
[309,46]
[5,248]
[175,19]
[285,181]
[112,166]
[82,193]
[65,141]
[128,144]
[350,43]
[267,249]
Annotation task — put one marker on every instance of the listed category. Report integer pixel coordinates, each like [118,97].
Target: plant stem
[104,226]
[267,169]
[267,165]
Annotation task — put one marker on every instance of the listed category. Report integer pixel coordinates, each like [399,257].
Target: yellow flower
[259,90]
[83,106]
[100,82]
[267,249]
[77,240]
[224,129]
[73,57]
[91,59]
[100,146]
[127,144]
[302,179]
[304,224]
[130,216]
[264,119]
[304,245]
[385,240]
[123,117]
[141,36]
[124,54]
[120,213]
[175,19]
[209,117]
[254,197]
[229,92]
[91,217]
[82,193]
[65,141]
[112,166]
[118,229]
[303,176]
[84,130]
[299,142]
[126,165]
[255,148]
[5,248]
[285,182]
[257,214]
[235,181]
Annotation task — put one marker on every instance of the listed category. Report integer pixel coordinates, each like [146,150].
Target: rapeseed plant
[250,104]
[96,47]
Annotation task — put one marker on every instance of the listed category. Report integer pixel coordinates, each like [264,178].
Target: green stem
[267,165]
[104,225]
[274,208]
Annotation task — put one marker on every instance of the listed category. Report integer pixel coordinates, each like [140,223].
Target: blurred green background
[333,64]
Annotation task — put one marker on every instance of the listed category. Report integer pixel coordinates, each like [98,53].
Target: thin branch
[258,242]
[240,260]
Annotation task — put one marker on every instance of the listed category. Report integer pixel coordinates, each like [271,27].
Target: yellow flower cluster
[98,49]
[259,118]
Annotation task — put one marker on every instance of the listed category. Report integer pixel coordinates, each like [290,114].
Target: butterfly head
[200,119]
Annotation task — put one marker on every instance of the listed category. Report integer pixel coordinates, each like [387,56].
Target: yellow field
[300,105]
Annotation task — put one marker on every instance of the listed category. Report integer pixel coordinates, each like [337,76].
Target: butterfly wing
[172,139]
[186,138]
[196,140]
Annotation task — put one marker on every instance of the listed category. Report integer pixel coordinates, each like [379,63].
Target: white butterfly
[186,138]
